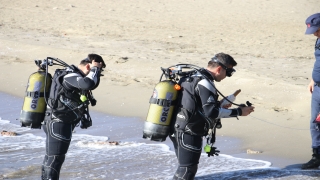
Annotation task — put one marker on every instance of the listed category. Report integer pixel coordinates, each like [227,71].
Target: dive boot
[314,162]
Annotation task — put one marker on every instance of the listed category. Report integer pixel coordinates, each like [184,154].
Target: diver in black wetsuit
[197,110]
[68,102]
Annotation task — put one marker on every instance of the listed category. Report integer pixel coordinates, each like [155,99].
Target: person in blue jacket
[313,27]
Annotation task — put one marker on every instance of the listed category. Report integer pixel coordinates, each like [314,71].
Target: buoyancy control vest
[64,104]
[189,115]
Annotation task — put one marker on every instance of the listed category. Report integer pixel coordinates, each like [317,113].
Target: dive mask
[229,71]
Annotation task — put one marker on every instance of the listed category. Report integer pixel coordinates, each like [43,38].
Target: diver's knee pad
[51,167]
[186,173]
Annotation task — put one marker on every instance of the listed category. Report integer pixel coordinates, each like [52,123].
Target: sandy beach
[136,38]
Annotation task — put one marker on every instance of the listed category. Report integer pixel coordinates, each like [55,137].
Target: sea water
[91,156]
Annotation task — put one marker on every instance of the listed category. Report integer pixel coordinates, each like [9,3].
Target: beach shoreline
[227,145]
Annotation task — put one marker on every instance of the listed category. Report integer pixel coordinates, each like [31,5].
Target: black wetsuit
[59,124]
[198,109]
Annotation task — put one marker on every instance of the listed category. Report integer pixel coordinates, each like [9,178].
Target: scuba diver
[198,110]
[67,106]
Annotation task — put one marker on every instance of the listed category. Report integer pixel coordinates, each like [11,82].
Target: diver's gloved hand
[96,64]
[245,110]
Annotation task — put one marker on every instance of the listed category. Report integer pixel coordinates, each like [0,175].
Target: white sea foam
[92,157]
[141,160]
[7,126]
[23,140]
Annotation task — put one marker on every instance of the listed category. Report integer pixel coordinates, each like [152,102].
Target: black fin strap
[35,94]
[162,102]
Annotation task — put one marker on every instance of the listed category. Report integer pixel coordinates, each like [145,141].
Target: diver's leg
[57,144]
[314,130]
[188,152]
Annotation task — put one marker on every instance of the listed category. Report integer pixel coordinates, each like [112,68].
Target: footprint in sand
[122,60]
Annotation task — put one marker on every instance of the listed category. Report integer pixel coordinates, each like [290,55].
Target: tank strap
[35,94]
[162,102]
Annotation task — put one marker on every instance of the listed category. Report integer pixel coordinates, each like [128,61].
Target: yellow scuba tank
[163,101]
[157,124]
[34,105]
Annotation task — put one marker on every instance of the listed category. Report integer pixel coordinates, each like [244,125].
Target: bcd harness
[48,100]
[190,118]
[68,106]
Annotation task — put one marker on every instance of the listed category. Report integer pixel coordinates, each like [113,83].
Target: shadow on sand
[289,172]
